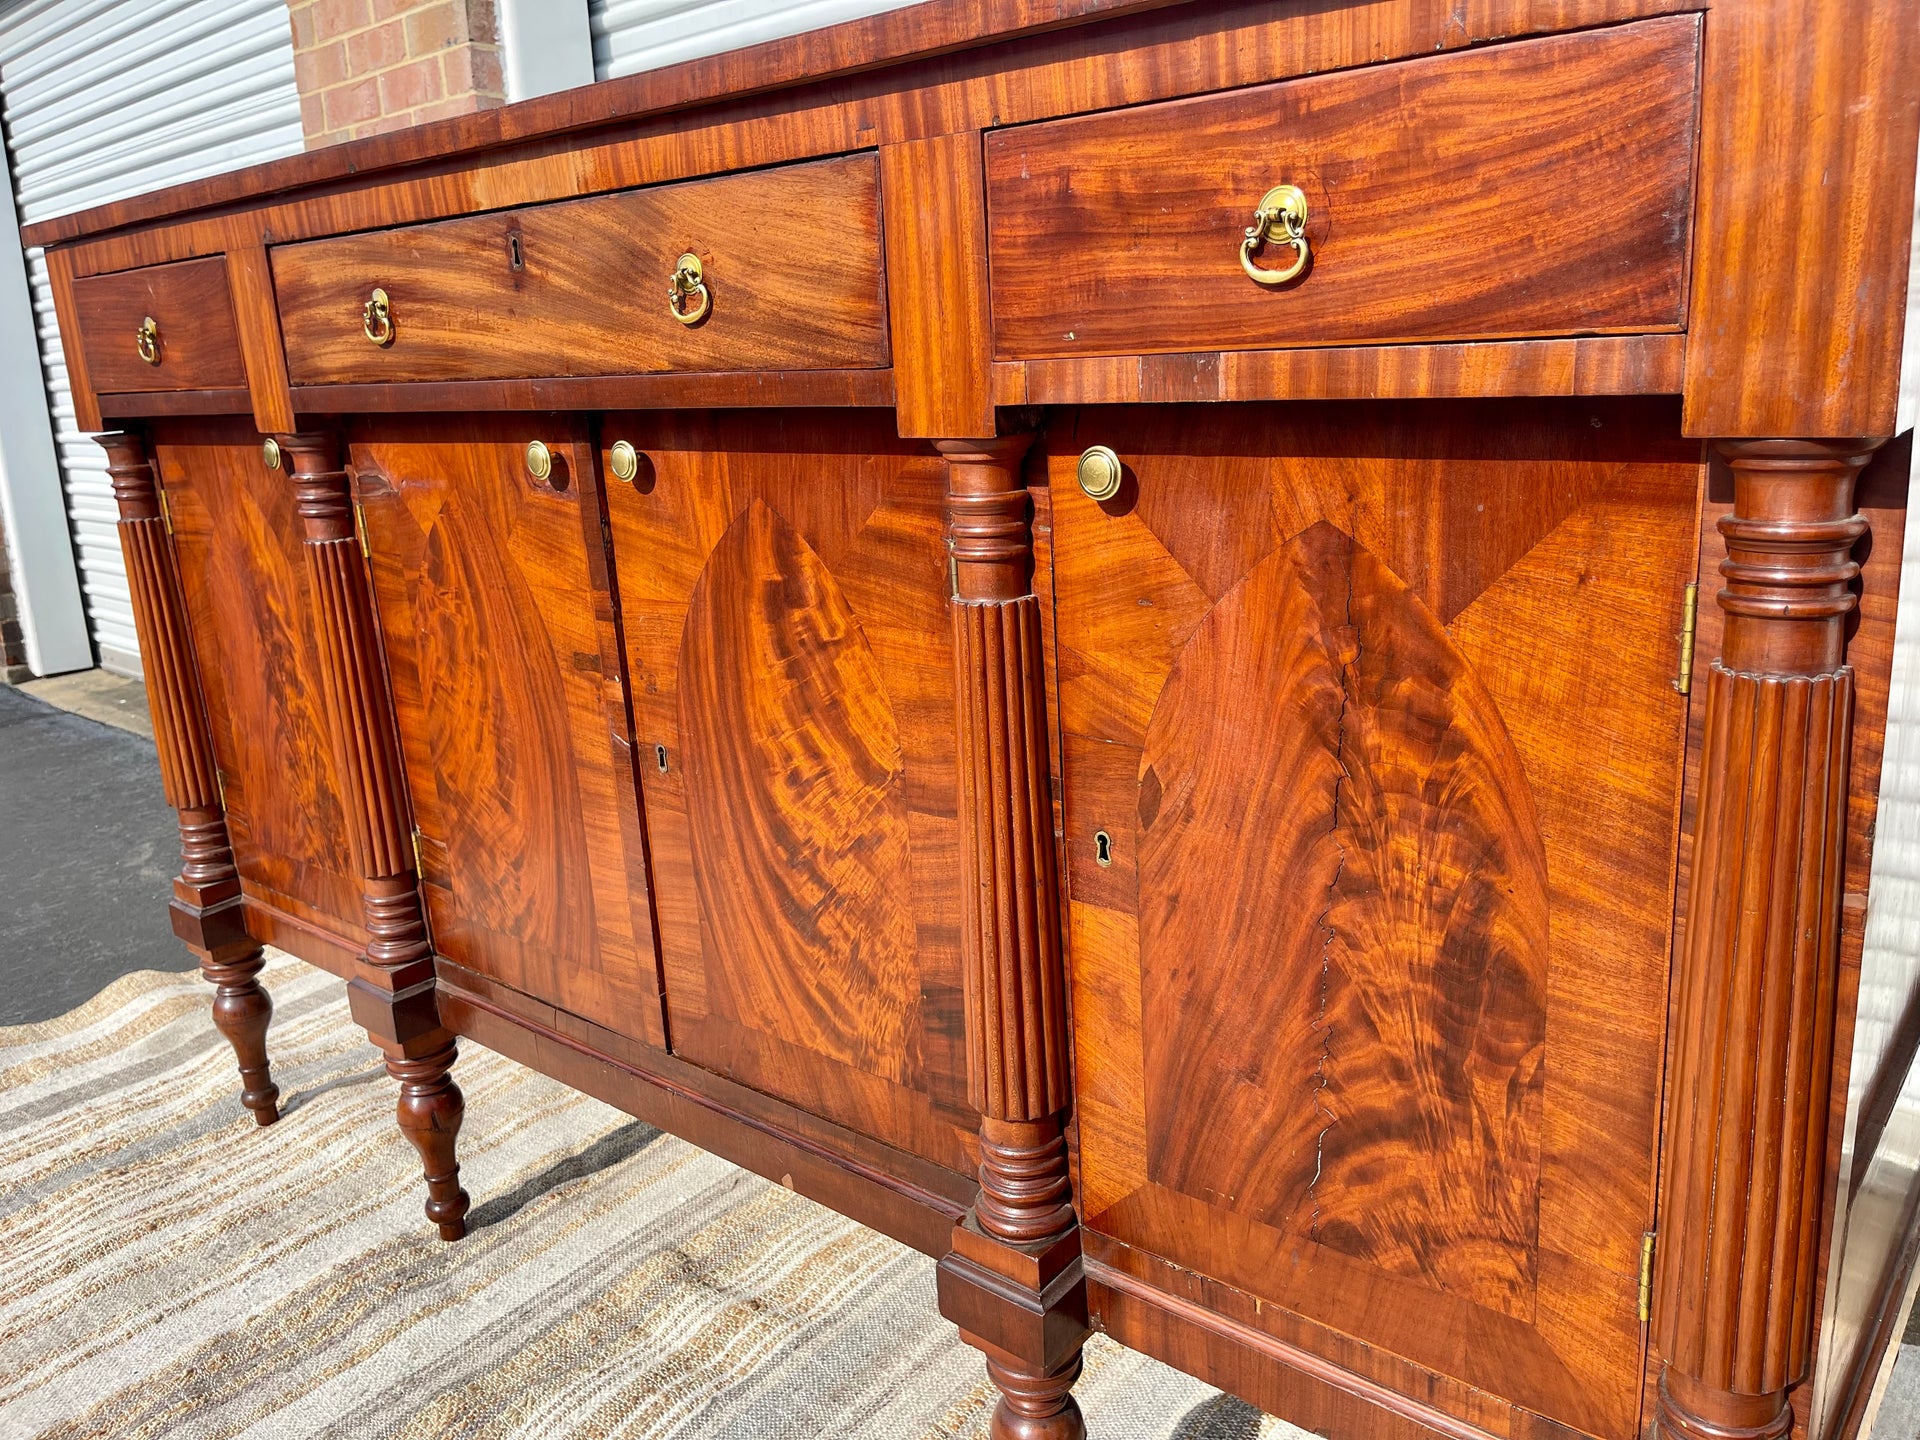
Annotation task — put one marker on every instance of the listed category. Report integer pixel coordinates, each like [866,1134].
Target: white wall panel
[109,98]
[634,35]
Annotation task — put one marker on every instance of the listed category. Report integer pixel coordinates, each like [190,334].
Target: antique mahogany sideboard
[1071,625]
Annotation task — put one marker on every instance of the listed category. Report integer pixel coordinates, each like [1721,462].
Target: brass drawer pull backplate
[146,340]
[689,284]
[1280,220]
[376,318]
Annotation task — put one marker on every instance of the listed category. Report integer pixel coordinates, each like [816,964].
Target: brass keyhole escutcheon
[376,318]
[146,340]
[688,299]
[624,461]
[1102,848]
[539,460]
[1100,472]
[270,453]
[660,758]
[1281,219]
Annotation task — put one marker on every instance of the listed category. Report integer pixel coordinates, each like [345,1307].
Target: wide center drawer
[1539,187]
[789,260]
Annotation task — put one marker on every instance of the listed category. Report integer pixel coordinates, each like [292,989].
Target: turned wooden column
[392,996]
[1013,1281]
[208,913]
[1746,1119]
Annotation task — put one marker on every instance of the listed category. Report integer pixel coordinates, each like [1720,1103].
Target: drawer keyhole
[660,757]
[1102,848]
[514,257]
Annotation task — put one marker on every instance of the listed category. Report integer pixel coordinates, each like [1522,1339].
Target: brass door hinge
[1689,620]
[360,529]
[1646,1276]
[166,511]
[419,869]
[220,784]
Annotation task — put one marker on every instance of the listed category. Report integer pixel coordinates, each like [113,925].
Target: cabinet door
[237,541]
[1367,710]
[500,641]
[783,587]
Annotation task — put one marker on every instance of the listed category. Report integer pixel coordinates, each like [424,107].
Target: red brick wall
[365,66]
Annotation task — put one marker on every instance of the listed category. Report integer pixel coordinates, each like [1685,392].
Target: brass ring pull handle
[1281,220]
[376,318]
[689,283]
[146,340]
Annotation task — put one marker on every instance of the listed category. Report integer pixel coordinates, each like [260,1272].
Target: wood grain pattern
[510,699]
[237,540]
[1546,620]
[1595,365]
[1160,53]
[60,280]
[711,389]
[791,258]
[263,352]
[936,228]
[793,764]
[199,346]
[1402,248]
[1754,1022]
[207,907]
[867,506]
[1817,100]
[1396,1083]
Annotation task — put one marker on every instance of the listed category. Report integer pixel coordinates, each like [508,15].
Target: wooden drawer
[194,345]
[790,258]
[1535,188]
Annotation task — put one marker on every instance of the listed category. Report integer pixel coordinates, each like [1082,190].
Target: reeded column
[1013,1282]
[392,996]
[208,913]
[1745,1134]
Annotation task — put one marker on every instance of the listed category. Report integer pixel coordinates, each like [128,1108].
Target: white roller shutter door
[109,98]
[634,35]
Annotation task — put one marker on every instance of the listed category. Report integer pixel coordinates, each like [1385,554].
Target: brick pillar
[367,66]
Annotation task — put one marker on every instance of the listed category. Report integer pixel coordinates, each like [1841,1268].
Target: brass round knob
[624,461]
[146,340]
[270,453]
[1100,473]
[539,460]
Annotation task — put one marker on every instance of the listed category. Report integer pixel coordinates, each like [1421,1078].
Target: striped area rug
[168,1270]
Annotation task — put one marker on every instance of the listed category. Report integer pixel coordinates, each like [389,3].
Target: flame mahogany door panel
[1374,705]
[783,588]
[502,649]
[236,539]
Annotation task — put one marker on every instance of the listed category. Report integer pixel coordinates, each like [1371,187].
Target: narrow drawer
[1541,187]
[165,327]
[789,260]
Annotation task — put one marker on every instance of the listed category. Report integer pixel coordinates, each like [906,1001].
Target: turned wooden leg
[242,1010]
[392,993]
[1036,1407]
[1013,1281]
[208,914]
[1743,1174]
[431,1109]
